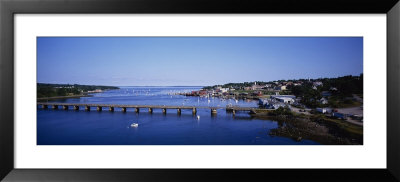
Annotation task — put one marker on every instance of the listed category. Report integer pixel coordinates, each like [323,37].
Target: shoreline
[64,97]
[326,131]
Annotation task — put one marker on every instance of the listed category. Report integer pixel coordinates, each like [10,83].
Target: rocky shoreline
[311,128]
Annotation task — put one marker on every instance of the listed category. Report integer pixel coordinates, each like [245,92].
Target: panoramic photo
[199,91]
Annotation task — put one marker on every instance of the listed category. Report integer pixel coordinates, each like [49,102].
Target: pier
[150,108]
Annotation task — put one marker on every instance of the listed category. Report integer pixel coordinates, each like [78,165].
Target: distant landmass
[56,90]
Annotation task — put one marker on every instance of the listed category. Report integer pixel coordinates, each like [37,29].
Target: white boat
[134,125]
[198,117]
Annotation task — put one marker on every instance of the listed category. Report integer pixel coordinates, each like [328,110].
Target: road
[297,110]
[351,110]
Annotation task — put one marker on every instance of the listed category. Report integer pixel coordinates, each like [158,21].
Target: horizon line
[197,85]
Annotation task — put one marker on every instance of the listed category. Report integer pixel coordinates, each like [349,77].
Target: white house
[317,84]
[224,89]
[323,100]
[288,99]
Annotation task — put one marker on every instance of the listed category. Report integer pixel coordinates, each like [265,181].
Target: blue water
[70,127]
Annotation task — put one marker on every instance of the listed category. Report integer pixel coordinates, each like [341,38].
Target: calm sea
[70,127]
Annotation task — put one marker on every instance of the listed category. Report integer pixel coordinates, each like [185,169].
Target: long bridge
[99,107]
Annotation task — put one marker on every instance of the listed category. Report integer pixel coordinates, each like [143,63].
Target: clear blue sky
[177,61]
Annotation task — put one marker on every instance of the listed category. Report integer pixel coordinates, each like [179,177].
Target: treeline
[346,85]
[235,85]
[272,83]
[53,90]
[341,90]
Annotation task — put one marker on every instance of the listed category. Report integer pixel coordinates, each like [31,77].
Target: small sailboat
[134,125]
[198,117]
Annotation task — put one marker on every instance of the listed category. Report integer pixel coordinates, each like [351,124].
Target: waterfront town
[338,98]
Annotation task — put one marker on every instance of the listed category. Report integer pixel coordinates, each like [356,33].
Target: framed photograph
[154,90]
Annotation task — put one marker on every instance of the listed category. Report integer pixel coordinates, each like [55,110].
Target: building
[268,85]
[257,87]
[95,91]
[203,92]
[323,100]
[317,84]
[262,102]
[287,99]
[280,88]
[223,90]
[326,93]
[333,89]
[270,104]
[257,93]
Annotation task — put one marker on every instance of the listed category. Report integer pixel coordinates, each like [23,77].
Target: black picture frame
[8,8]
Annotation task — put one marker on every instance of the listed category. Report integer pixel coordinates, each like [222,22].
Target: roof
[283,96]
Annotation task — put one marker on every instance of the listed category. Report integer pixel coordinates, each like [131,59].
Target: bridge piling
[87,108]
[111,109]
[124,109]
[179,111]
[233,112]
[213,111]
[164,110]
[44,106]
[150,110]
[55,106]
[65,107]
[194,111]
[76,107]
[99,108]
[137,110]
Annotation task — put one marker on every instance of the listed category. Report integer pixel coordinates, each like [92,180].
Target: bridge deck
[149,106]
